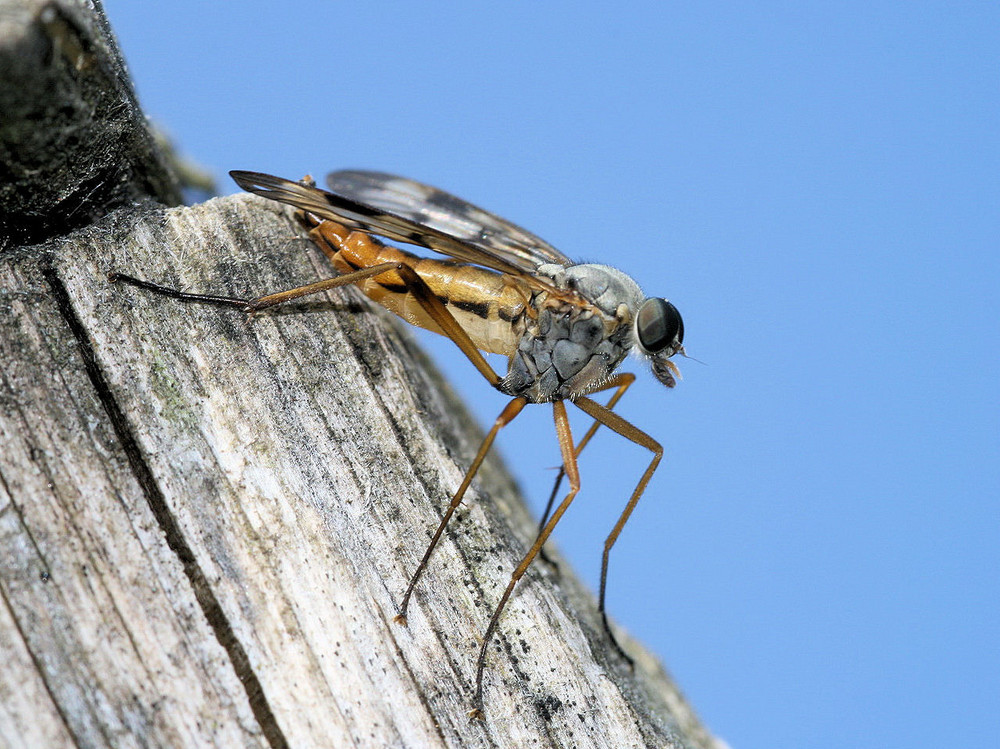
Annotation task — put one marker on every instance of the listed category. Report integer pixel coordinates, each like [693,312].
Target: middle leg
[569,462]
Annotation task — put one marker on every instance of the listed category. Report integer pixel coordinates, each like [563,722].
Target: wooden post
[206,520]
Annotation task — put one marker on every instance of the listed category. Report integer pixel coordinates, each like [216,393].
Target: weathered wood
[206,520]
[103,641]
[217,499]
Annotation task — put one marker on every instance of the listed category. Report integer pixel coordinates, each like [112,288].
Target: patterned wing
[406,211]
[431,208]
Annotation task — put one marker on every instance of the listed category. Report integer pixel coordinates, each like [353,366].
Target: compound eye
[659,326]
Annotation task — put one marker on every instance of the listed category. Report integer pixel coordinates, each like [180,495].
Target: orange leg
[622,382]
[630,432]
[506,416]
[414,284]
[569,462]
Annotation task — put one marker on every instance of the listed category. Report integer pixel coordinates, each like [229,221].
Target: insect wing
[356,215]
[489,236]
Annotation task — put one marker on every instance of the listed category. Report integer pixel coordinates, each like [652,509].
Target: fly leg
[622,383]
[225,301]
[506,416]
[413,282]
[630,432]
[569,462]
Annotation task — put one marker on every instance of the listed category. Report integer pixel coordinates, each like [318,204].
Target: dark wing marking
[436,209]
[356,215]
[359,215]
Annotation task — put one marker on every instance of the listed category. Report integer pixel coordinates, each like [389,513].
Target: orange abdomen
[484,302]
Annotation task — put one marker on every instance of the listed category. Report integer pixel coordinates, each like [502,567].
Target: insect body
[489,309]
[564,327]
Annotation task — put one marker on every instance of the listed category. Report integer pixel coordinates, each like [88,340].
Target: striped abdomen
[488,307]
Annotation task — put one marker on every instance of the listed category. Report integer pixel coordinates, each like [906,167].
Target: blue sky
[817,188]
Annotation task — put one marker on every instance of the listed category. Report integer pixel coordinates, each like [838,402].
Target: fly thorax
[601,285]
[570,348]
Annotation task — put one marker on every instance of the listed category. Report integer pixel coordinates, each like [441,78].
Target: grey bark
[207,520]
